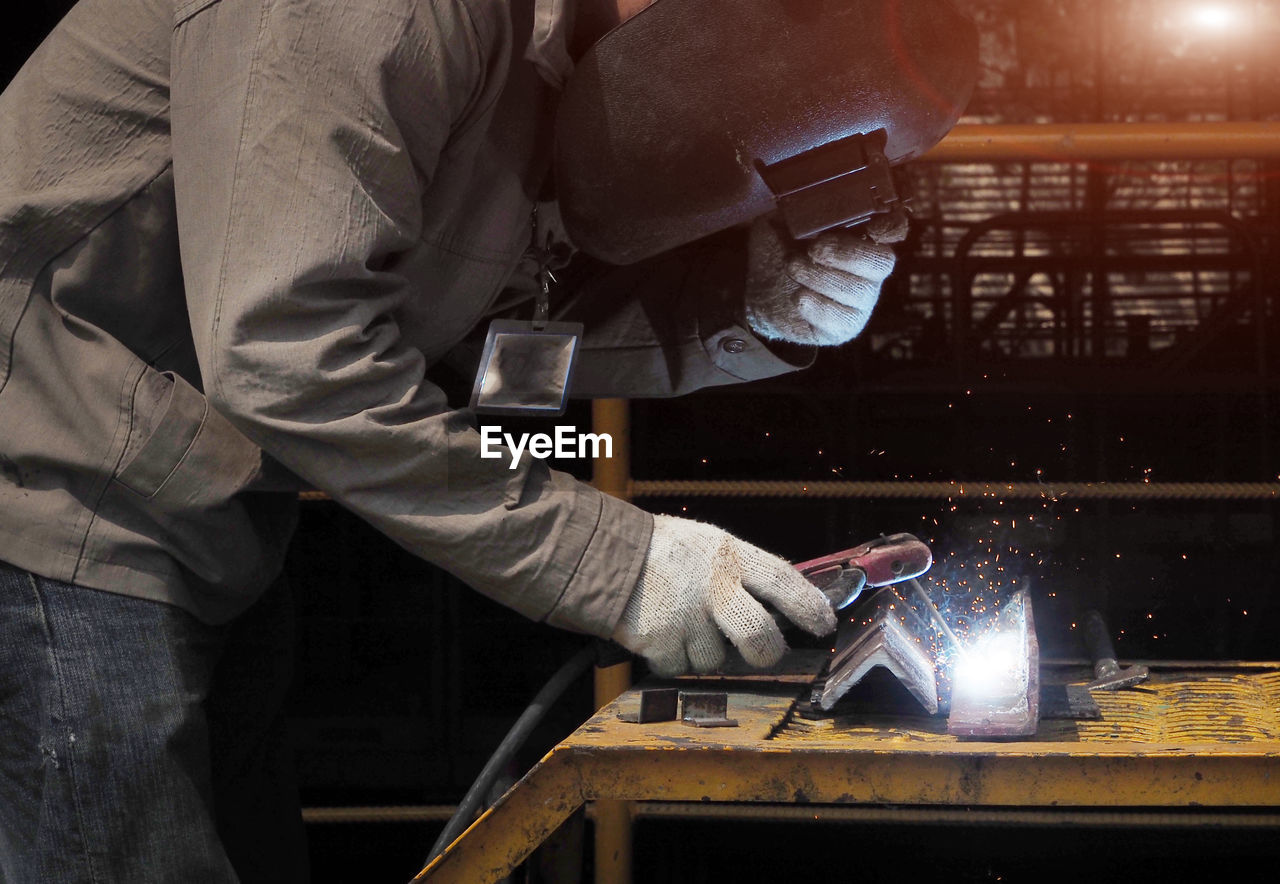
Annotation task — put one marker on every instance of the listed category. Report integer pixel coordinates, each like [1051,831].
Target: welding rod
[936,616]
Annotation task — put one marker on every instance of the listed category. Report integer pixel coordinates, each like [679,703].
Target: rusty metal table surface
[1195,736]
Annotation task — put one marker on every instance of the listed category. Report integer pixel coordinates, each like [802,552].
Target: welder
[238,238]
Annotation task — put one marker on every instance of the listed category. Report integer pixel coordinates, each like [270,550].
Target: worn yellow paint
[987,775]
[508,832]
[1209,739]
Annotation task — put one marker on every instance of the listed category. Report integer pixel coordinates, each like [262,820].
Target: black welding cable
[511,743]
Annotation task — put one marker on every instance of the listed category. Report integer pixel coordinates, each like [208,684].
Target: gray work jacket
[235,234]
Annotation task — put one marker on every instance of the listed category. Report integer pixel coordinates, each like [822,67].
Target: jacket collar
[548,47]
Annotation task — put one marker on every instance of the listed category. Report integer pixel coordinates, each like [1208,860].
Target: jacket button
[734,345]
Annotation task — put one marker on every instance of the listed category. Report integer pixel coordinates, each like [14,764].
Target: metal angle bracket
[696,708]
[656,704]
[882,640]
[996,690]
[706,709]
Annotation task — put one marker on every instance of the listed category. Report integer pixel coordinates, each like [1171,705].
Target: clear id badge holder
[526,367]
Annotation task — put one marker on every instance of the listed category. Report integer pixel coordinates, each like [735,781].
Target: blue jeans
[138,744]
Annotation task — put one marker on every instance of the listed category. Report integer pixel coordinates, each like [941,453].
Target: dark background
[1109,366]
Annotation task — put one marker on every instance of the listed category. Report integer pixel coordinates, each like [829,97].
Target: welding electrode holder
[842,576]
[839,184]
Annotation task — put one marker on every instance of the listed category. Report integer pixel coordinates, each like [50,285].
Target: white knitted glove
[819,292]
[699,581]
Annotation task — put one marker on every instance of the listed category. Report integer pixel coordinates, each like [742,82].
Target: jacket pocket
[192,454]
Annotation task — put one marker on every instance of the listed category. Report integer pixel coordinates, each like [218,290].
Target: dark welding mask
[698,115]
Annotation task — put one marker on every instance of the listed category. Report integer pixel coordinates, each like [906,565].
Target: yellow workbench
[1195,736]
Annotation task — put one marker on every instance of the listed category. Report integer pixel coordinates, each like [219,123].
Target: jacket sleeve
[672,324]
[303,135]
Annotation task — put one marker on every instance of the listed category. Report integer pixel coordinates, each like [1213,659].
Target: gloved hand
[698,581]
[819,292]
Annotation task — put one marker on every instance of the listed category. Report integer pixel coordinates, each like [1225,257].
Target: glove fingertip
[825,625]
[824,621]
[765,648]
[891,227]
[789,591]
[808,608]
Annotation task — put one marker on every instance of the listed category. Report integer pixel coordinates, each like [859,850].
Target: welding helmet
[697,115]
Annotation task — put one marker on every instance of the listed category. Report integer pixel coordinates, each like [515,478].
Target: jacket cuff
[618,540]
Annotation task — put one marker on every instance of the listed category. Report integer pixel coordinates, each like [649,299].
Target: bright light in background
[1214,16]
